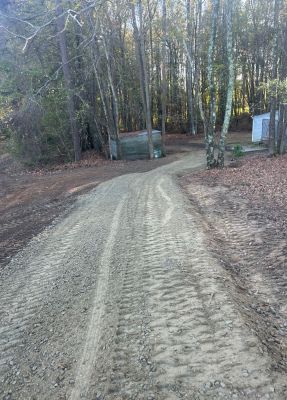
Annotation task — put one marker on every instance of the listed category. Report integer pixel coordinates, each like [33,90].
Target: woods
[76,74]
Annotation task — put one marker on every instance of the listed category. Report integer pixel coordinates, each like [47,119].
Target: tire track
[21,296]
[127,344]
[178,333]
[194,343]
[84,369]
[170,206]
[260,294]
[142,309]
[28,286]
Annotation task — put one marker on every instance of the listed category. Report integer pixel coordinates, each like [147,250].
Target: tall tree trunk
[197,58]
[230,88]
[273,99]
[114,99]
[126,106]
[209,139]
[189,68]
[104,104]
[283,46]
[60,21]
[163,78]
[282,149]
[139,41]
[150,62]
[158,84]
[282,124]
[272,125]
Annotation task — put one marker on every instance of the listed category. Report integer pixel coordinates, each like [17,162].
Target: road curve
[121,299]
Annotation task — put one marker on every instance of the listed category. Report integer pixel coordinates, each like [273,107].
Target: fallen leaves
[259,179]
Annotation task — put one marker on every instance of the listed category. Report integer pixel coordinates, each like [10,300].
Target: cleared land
[245,213]
[145,290]
[31,200]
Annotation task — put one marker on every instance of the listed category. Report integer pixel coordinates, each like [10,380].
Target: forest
[76,74]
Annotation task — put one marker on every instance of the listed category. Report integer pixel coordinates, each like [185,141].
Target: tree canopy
[75,74]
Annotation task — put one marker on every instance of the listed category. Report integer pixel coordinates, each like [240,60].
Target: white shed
[260,127]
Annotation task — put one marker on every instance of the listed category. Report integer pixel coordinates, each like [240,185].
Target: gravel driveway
[121,299]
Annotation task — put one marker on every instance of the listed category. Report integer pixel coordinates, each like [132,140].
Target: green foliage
[276,88]
[238,151]
[33,106]
[40,131]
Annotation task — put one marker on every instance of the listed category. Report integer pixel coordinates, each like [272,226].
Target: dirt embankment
[245,213]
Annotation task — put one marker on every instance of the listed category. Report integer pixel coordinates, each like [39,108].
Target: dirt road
[121,299]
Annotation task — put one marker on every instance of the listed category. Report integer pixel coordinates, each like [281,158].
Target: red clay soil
[244,210]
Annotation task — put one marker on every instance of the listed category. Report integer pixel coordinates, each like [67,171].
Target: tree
[189,71]
[211,162]
[140,44]
[273,102]
[115,106]
[135,64]
[282,129]
[163,76]
[230,88]
[60,21]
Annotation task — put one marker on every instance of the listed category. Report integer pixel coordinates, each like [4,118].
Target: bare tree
[211,162]
[198,61]
[273,100]
[176,71]
[114,97]
[282,129]
[140,44]
[68,79]
[163,77]
[230,88]
[189,70]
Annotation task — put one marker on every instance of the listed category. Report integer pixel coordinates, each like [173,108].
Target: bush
[238,151]
[40,130]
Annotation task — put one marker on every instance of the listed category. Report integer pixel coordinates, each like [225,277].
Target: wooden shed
[134,145]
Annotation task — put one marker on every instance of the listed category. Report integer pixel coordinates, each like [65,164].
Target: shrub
[238,151]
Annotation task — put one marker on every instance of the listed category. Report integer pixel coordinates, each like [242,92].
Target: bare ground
[245,213]
[135,292]
[31,199]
